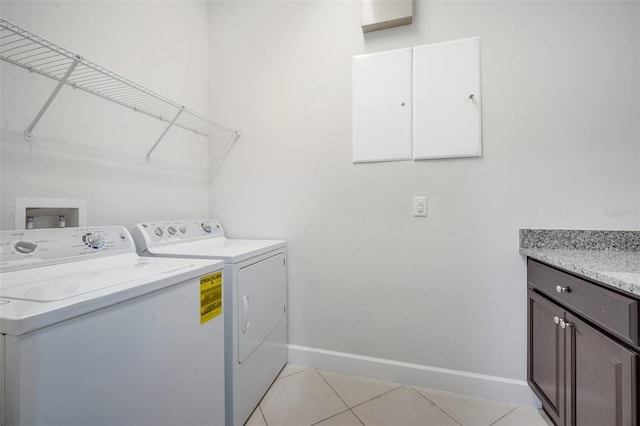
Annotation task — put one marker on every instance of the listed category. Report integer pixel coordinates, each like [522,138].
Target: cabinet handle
[565,324]
[561,289]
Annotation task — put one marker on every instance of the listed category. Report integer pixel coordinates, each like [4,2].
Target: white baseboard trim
[463,382]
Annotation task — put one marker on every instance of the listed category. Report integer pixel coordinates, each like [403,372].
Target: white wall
[561,149]
[561,132]
[87,148]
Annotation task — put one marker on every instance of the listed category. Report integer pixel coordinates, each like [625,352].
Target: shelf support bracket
[164,133]
[61,82]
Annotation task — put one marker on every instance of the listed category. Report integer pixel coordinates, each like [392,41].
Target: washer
[254,302]
[93,334]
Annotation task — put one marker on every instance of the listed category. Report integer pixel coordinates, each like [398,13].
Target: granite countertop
[609,257]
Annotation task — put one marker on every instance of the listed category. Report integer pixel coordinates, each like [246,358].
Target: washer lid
[43,296]
[229,250]
[69,280]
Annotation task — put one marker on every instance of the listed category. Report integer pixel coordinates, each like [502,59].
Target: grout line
[345,403]
[509,412]
[267,391]
[292,374]
[436,405]
[337,394]
[332,416]
[357,417]
[258,409]
[263,417]
[334,391]
[376,397]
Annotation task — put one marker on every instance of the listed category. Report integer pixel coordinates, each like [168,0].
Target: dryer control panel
[153,234]
[38,247]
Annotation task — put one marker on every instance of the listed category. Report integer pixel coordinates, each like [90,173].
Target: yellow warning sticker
[210,296]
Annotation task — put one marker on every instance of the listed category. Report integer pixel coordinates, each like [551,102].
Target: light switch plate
[420,206]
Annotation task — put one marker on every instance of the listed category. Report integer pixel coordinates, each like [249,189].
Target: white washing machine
[93,334]
[254,302]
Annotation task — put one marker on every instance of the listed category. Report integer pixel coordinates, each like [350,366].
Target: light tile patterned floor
[305,396]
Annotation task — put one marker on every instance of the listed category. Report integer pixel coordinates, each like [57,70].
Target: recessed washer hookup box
[381,14]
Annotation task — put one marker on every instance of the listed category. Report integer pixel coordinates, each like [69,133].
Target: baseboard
[463,382]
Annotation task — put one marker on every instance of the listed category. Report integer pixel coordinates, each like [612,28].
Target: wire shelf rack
[29,51]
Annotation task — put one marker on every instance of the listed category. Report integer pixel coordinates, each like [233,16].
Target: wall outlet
[420,206]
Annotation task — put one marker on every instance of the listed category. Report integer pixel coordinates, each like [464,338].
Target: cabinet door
[602,378]
[546,355]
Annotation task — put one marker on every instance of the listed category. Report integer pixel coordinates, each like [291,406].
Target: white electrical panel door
[382,106]
[446,100]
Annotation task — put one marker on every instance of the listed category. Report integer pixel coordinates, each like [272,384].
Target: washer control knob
[158,231]
[183,229]
[94,241]
[25,247]
[171,230]
[206,227]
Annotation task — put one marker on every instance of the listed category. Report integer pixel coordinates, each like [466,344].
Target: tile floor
[305,396]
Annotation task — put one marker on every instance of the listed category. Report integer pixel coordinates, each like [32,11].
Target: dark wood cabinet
[584,369]
[546,355]
[601,376]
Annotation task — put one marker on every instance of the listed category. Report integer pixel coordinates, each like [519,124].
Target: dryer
[93,334]
[254,301]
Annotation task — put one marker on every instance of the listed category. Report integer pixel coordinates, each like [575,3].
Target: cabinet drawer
[610,310]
